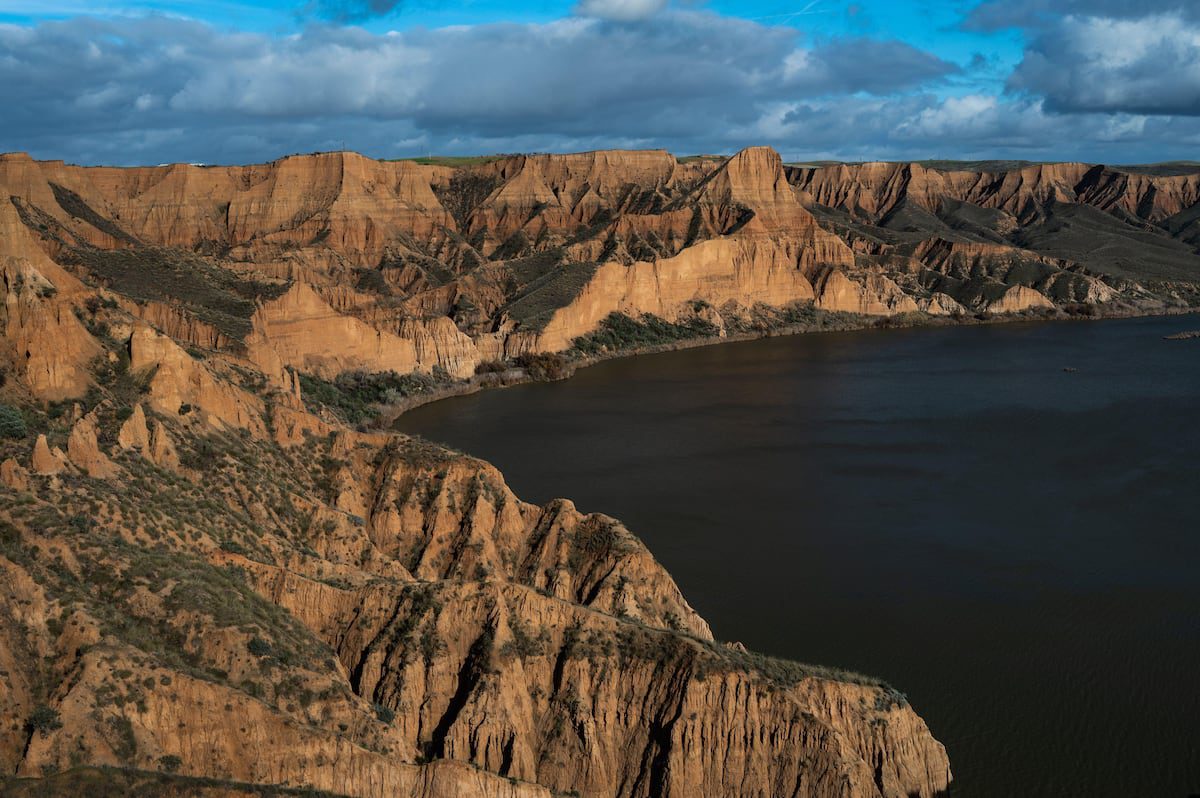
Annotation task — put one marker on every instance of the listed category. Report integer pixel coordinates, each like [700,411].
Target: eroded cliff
[207,580]
[212,573]
[334,262]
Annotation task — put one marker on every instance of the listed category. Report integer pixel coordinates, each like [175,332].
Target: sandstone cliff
[209,581]
[212,575]
[333,262]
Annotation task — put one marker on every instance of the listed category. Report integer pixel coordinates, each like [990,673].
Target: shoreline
[516,375]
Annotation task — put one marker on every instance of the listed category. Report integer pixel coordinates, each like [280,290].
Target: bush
[170,763]
[619,332]
[491,367]
[523,643]
[354,395]
[545,366]
[259,647]
[44,719]
[12,425]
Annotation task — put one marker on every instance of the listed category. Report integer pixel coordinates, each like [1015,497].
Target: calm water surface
[1014,545]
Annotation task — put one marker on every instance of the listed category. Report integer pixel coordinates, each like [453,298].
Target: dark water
[1015,546]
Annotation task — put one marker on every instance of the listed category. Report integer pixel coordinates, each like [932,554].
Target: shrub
[12,425]
[491,367]
[619,332]
[524,644]
[545,366]
[373,281]
[354,394]
[259,647]
[44,719]
[170,763]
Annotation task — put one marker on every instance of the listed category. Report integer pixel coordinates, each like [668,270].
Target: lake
[1003,521]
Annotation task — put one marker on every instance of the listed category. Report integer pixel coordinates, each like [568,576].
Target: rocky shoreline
[516,375]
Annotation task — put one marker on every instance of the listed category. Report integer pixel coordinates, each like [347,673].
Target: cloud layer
[619,73]
[1146,65]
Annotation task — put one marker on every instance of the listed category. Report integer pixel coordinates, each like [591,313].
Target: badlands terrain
[223,574]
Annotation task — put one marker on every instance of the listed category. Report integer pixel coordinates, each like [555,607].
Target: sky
[239,81]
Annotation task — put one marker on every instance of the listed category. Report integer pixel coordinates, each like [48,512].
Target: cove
[1003,521]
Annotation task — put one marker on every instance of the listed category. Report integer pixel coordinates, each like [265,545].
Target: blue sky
[147,81]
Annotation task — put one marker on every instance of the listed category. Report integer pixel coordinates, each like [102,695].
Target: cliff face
[211,574]
[452,623]
[1112,225]
[209,581]
[334,262]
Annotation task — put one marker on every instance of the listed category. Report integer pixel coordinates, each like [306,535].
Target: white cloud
[1145,65]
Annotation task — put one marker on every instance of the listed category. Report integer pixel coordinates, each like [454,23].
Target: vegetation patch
[620,333]
[545,366]
[12,424]
[356,396]
[212,294]
[538,297]
[74,204]
[463,193]
[457,161]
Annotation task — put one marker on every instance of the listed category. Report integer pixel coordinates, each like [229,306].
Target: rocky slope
[214,570]
[204,578]
[401,266]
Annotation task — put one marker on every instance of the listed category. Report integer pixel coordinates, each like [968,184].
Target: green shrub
[619,332]
[170,763]
[44,719]
[259,647]
[491,367]
[12,425]
[353,395]
[384,714]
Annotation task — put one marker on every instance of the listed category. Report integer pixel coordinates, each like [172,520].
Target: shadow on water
[1012,543]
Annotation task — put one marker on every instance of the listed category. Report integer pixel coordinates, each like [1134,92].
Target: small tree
[44,719]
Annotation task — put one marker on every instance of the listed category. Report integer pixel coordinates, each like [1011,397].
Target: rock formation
[214,574]
[526,253]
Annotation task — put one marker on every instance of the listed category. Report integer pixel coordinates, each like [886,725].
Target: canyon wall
[334,262]
[213,575]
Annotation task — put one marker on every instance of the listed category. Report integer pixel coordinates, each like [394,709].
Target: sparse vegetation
[545,366]
[540,286]
[620,333]
[214,295]
[170,763]
[354,396]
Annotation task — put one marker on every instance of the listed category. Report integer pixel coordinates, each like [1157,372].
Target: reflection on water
[1013,544]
